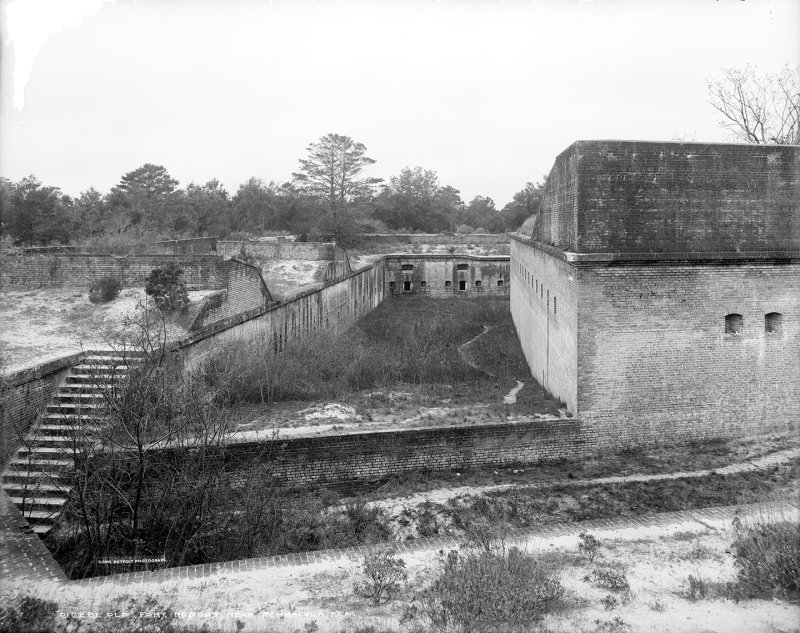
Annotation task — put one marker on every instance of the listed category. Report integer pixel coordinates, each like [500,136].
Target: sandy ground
[288,277]
[657,560]
[42,325]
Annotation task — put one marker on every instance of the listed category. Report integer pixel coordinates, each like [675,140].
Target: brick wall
[332,308]
[655,361]
[442,275]
[378,454]
[277,249]
[638,197]
[374,243]
[80,270]
[23,395]
[245,291]
[544,306]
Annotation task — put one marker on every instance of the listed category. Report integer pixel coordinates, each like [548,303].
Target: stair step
[84,368]
[42,515]
[85,378]
[42,450]
[44,440]
[67,406]
[28,488]
[30,478]
[41,528]
[20,463]
[62,426]
[53,504]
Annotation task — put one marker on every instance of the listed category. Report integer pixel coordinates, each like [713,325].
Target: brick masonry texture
[431,274]
[278,249]
[80,270]
[374,455]
[24,394]
[638,197]
[647,247]
[245,290]
[416,242]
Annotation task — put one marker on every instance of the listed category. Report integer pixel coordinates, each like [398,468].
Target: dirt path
[442,495]
[463,346]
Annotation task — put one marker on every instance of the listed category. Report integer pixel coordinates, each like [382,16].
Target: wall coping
[671,256]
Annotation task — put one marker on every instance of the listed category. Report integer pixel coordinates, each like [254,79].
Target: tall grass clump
[413,340]
[480,591]
[767,557]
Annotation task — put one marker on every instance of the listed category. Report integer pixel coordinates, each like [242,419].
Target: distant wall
[277,249]
[332,308]
[447,275]
[23,395]
[375,243]
[337,458]
[190,246]
[245,291]
[28,270]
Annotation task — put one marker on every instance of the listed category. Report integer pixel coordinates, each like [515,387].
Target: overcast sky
[485,93]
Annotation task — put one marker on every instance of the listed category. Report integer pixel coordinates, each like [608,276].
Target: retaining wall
[277,249]
[360,456]
[445,276]
[31,270]
[23,396]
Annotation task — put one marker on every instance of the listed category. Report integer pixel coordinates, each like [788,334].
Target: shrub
[28,614]
[481,591]
[166,287]
[588,545]
[767,558]
[695,588]
[608,579]
[104,290]
[384,575]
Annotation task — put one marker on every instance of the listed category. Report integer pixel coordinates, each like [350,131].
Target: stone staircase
[35,477]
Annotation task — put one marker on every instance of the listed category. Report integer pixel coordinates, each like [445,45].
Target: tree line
[328,195]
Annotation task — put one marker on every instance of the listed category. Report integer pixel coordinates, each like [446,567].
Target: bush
[608,579]
[104,290]
[480,591]
[695,588]
[28,615]
[767,557]
[588,545]
[384,575]
[166,287]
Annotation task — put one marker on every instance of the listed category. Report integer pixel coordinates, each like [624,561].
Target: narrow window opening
[499,283]
[733,324]
[537,285]
[555,306]
[772,322]
[462,285]
[548,299]
[423,283]
[448,284]
[406,286]
[477,282]
[407,267]
[462,267]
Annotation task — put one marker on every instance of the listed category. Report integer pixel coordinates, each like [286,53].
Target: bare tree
[759,108]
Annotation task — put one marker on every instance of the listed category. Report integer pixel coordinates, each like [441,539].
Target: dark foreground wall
[336,458]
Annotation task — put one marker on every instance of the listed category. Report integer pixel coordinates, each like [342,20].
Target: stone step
[118,353]
[50,504]
[49,516]
[88,387]
[51,441]
[69,408]
[27,488]
[46,465]
[92,379]
[46,452]
[41,528]
[98,370]
[30,478]
[62,426]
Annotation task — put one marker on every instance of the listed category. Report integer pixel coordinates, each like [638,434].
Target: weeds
[385,573]
[696,588]
[767,557]
[480,591]
[608,579]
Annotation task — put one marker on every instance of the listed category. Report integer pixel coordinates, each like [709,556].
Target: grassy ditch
[406,344]
[555,503]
